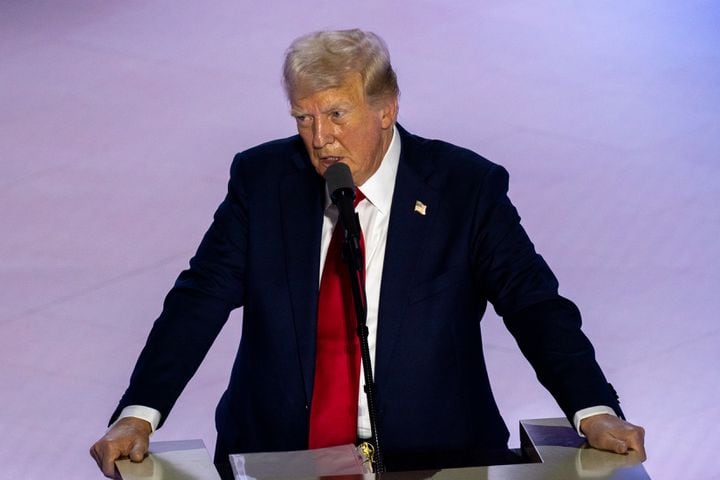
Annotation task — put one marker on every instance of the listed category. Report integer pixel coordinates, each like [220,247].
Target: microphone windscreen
[339,176]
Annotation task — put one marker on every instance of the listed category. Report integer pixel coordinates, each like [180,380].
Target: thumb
[139,448]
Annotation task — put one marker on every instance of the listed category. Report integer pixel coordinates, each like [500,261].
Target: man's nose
[322,133]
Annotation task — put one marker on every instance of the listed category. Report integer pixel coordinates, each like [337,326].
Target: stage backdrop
[118,121]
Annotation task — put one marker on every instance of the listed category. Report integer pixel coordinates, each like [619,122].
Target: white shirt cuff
[148,414]
[580,415]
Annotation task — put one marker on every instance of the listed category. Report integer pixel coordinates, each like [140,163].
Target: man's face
[339,125]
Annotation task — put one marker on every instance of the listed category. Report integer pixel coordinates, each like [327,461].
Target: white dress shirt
[374,213]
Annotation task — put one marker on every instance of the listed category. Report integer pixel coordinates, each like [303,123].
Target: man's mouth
[328,161]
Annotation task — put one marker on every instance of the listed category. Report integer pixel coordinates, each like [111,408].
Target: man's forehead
[309,85]
[346,94]
[322,103]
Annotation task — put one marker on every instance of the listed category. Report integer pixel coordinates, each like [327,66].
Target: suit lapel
[405,242]
[302,216]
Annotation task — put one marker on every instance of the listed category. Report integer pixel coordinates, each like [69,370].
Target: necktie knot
[359,197]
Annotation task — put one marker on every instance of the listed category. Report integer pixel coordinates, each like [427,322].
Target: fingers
[108,466]
[139,448]
[607,441]
[105,455]
[129,437]
[610,433]
[635,439]
[615,445]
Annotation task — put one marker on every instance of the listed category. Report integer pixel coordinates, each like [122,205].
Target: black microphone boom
[342,193]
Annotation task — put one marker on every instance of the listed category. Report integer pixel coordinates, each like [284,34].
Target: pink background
[118,121]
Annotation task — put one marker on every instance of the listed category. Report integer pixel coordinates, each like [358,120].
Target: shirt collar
[379,188]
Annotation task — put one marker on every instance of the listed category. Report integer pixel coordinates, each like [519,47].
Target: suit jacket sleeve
[524,292]
[195,309]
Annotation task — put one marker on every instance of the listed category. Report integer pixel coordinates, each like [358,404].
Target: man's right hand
[129,437]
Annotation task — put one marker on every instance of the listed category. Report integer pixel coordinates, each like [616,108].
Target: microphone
[342,193]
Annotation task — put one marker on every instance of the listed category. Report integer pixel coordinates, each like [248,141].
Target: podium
[549,447]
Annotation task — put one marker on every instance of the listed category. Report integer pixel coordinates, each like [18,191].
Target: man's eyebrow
[338,106]
[294,111]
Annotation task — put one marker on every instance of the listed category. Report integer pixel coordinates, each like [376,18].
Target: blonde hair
[324,59]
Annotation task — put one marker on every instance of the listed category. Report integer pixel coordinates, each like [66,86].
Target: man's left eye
[337,114]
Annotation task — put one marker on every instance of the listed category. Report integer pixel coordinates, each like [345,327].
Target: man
[441,239]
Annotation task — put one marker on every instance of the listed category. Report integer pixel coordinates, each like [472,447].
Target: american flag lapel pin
[420,207]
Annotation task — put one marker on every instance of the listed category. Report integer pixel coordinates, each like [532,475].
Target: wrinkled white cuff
[148,414]
[580,415]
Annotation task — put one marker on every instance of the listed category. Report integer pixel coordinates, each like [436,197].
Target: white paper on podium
[340,460]
[174,460]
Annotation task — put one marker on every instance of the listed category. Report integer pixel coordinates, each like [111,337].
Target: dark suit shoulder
[449,162]
[275,156]
[286,145]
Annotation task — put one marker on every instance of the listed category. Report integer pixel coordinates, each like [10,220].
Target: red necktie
[333,412]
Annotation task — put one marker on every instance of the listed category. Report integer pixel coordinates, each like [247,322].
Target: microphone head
[339,177]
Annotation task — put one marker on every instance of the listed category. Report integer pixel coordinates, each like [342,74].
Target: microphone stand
[356,267]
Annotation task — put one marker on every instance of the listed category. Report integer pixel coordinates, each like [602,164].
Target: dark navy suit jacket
[262,252]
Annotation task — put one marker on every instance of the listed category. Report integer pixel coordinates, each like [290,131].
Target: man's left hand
[606,432]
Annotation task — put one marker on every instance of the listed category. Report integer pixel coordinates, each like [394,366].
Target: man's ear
[388,113]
